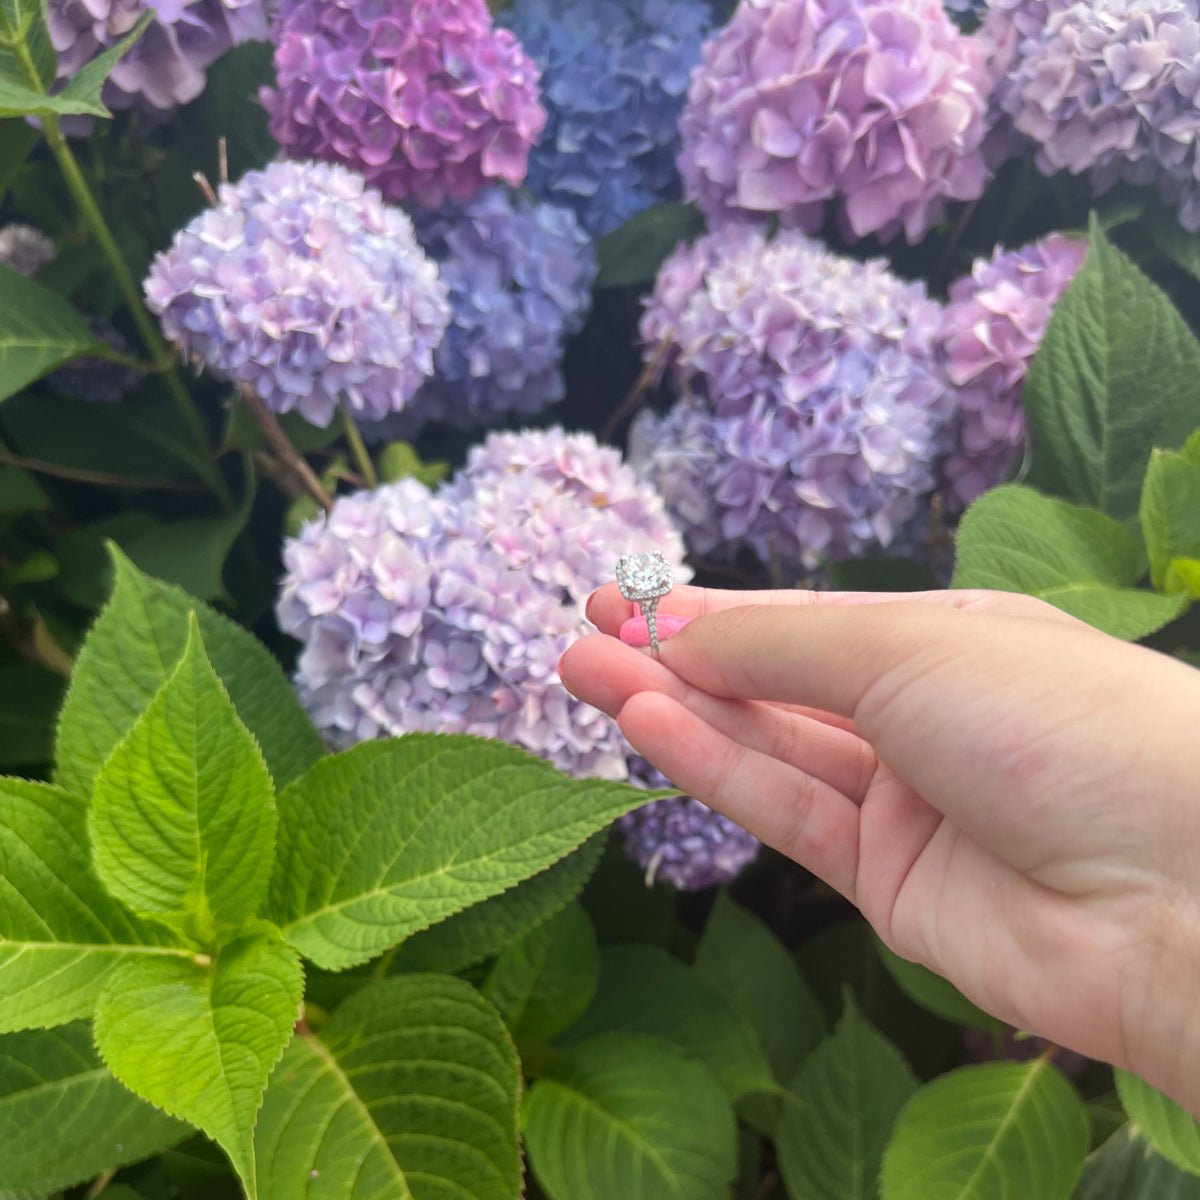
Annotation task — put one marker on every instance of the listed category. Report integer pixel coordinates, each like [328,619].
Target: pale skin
[1009,796]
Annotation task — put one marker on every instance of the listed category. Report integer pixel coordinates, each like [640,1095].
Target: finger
[607,674]
[797,814]
[608,610]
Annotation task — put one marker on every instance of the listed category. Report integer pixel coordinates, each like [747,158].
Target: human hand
[1011,797]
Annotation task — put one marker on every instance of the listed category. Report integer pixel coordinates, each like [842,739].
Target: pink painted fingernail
[635,633]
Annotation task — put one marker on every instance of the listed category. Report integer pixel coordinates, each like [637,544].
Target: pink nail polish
[635,633]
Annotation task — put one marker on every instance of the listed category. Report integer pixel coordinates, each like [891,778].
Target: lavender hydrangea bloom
[448,611]
[1111,88]
[423,97]
[615,73]
[683,841]
[166,67]
[519,275]
[304,286]
[24,249]
[874,107]
[992,328]
[813,409]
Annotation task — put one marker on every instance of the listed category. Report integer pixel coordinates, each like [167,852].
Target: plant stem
[359,450]
[281,446]
[160,353]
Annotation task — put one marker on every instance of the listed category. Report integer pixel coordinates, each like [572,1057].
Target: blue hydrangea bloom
[614,76]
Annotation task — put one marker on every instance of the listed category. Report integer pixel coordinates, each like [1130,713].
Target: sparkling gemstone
[643,576]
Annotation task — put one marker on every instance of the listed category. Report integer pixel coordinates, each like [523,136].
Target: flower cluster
[448,611]
[424,97]
[167,65]
[1109,88]
[614,73]
[813,410]
[683,841]
[24,249]
[876,107]
[519,275]
[302,285]
[992,328]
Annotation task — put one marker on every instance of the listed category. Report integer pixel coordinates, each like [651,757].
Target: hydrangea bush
[407,319]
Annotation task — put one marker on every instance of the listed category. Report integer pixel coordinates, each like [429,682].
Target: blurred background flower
[424,97]
[24,249]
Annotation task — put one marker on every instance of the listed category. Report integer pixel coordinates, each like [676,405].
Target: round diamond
[644,576]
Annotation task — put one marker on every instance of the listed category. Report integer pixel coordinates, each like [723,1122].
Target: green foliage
[440,823]
[1114,379]
[1173,1132]
[932,992]
[29,700]
[1014,539]
[840,1112]
[63,1117]
[1170,515]
[992,1132]
[628,1116]
[633,253]
[1127,1167]
[412,1090]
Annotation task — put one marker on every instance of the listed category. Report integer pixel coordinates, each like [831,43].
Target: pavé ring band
[645,579]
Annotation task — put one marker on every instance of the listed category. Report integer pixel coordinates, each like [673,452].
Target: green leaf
[1114,378]
[1126,1167]
[630,1117]
[1171,1130]
[1183,576]
[741,958]
[932,992]
[411,1091]
[199,1039]
[993,1132]
[132,649]
[1014,539]
[394,836]
[844,1102]
[29,700]
[17,139]
[633,253]
[643,989]
[61,934]
[542,983]
[63,1117]
[183,816]
[484,929]
[39,330]
[85,85]
[20,492]
[398,460]
[1170,512]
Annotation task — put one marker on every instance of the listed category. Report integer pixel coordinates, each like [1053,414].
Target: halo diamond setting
[644,579]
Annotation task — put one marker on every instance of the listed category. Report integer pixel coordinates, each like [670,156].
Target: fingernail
[635,633]
[587,609]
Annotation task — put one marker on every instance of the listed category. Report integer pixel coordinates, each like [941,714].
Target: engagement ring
[645,579]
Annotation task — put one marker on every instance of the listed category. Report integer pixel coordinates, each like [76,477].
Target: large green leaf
[645,990]
[1126,1167]
[843,1104]
[391,837]
[633,253]
[1014,539]
[63,1117]
[134,646]
[61,934]
[199,1039]
[742,959]
[1001,1131]
[411,1091]
[543,982]
[1170,510]
[932,992]
[1170,1129]
[183,815]
[1114,378]
[484,929]
[630,1117]
[39,330]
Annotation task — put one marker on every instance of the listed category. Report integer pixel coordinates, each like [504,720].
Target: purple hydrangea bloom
[520,275]
[24,249]
[1111,88]
[448,611]
[876,107]
[167,65]
[302,285]
[424,97]
[615,74]
[992,328]
[814,408]
[683,841]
